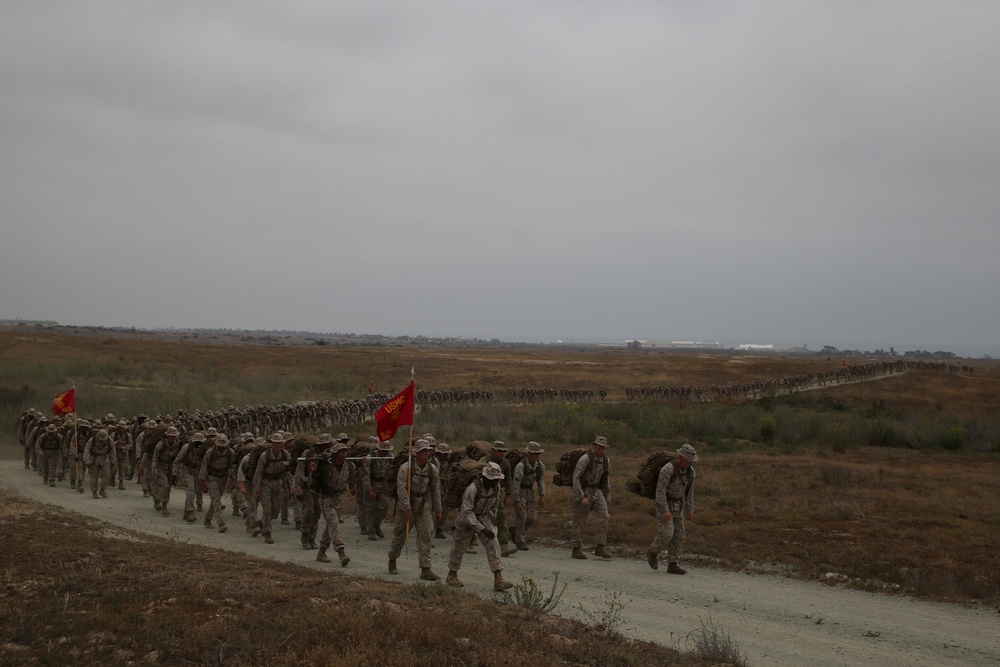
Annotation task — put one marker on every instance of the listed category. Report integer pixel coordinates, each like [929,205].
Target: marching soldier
[592,495]
[480,503]
[419,504]
[187,465]
[268,482]
[47,446]
[161,463]
[98,453]
[498,455]
[674,500]
[334,478]
[308,494]
[372,488]
[216,465]
[442,459]
[528,472]
[123,445]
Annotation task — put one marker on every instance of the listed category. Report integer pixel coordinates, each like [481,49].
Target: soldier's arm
[662,482]
[689,500]
[203,468]
[435,489]
[466,509]
[518,478]
[581,466]
[401,490]
[541,479]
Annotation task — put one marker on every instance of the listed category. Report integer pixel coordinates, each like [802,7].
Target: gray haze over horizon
[786,172]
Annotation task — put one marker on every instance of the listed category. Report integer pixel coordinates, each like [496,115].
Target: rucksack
[567,464]
[645,480]
[463,473]
[514,457]
[389,483]
[477,449]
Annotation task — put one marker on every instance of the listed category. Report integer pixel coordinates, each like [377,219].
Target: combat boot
[164,511]
[521,546]
[651,559]
[94,494]
[305,541]
[499,584]
[257,527]
[674,568]
[312,543]
[392,566]
[268,539]
[104,493]
[72,483]
[344,558]
[428,575]
[207,523]
[578,553]
[321,555]
[439,534]
[190,518]
[372,537]
[601,552]
[452,579]
[223,528]
[378,531]
[121,486]
[507,550]
[79,487]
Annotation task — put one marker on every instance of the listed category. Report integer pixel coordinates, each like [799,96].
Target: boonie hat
[324,439]
[534,448]
[442,448]
[492,471]
[421,444]
[600,440]
[687,453]
[499,446]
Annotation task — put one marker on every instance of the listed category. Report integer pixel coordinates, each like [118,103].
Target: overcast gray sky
[779,172]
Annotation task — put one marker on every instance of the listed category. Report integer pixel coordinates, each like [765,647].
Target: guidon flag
[64,403]
[396,412]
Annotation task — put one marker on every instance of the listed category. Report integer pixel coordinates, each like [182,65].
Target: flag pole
[76,436]
[409,460]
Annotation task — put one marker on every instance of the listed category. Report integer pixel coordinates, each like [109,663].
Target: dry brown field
[925,523]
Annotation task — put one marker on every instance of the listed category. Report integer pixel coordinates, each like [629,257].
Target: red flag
[64,402]
[371,387]
[397,411]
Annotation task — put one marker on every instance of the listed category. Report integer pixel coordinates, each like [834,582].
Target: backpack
[566,466]
[477,449]
[463,473]
[389,483]
[645,480]
[300,445]
[514,457]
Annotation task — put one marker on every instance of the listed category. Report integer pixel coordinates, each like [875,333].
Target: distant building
[750,347]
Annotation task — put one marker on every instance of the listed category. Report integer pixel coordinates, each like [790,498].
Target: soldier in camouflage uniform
[288,499]
[72,447]
[24,424]
[47,445]
[528,472]
[34,432]
[186,466]
[373,488]
[421,506]
[143,454]
[216,465]
[334,478]
[98,453]
[239,499]
[442,459]
[480,503]
[161,463]
[498,455]
[123,444]
[308,494]
[244,482]
[268,482]
[674,500]
[592,494]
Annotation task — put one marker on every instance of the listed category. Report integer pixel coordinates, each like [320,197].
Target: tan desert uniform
[424,501]
[372,482]
[244,482]
[526,476]
[48,445]
[123,445]
[332,483]
[98,453]
[214,472]
[476,514]
[674,494]
[160,463]
[268,481]
[143,455]
[187,464]
[591,482]
[73,454]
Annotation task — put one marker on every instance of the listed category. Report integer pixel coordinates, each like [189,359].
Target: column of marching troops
[270,479]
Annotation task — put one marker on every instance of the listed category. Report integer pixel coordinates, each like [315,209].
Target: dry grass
[73,596]
[886,519]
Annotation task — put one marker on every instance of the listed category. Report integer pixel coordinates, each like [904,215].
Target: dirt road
[776,621]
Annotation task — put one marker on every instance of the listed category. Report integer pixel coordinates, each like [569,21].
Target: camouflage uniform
[591,482]
[443,462]
[72,447]
[423,501]
[526,476]
[480,503]
[333,481]
[187,465]
[36,430]
[373,475]
[98,454]
[307,493]
[143,454]
[674,494]
[123,444]
[24,424]
[503,533]
[48,445]
[161,463]
[268,482]
[216,465]
[244,482]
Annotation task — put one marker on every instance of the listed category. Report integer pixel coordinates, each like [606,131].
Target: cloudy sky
[779,172]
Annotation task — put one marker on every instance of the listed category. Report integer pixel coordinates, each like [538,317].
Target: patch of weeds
[836,476]
[609,616]
[527,595]
[872,633]
[714,644]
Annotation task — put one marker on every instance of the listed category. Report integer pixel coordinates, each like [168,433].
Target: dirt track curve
[776,621]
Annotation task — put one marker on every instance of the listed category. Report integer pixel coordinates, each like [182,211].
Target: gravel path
[775,621]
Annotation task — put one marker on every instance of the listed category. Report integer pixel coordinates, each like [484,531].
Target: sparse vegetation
[528,595]
[715,645]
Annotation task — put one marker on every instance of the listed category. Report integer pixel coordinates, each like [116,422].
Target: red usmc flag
[397,411]
[64,402]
